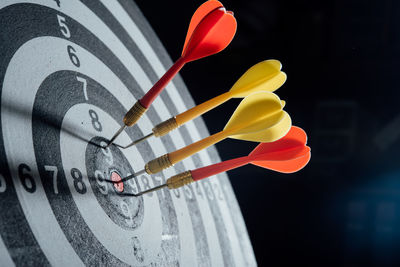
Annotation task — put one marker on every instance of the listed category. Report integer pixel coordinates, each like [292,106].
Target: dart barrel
[158,164]
[180,180]
[165,127]
[134,114]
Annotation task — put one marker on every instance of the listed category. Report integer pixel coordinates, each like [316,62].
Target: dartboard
[69,71]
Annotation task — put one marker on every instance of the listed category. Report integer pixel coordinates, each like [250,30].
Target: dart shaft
[157,88]
[202,108]
[191,149]
[165,161]
[173,123]
[223,166]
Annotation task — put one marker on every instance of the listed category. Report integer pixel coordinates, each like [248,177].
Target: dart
[259,118]
[263,76]
[286,155]
[211,29]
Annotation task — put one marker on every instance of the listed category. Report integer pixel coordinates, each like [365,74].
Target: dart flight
[286,155]
[259,118]
[264,76]
[211,30]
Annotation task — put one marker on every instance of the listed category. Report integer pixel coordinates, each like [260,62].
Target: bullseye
[118,185]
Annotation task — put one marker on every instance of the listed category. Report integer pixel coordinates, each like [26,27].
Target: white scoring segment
[113,237]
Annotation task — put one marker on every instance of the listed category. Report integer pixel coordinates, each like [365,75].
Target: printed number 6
[74,58]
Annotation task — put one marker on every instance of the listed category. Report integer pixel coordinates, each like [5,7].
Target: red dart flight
[287,155]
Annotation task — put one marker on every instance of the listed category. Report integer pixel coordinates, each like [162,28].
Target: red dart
[211,29]
[287,155]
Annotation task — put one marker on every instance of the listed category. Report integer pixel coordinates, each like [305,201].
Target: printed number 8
[95,120]
[79,185]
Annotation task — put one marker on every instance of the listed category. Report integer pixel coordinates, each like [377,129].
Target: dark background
[341,59]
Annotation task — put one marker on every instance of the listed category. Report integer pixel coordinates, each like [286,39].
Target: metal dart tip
[140,172]
[136,141]
[115,136]
[133,175]
[146,191]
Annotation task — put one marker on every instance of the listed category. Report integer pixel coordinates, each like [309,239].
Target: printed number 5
[64,28]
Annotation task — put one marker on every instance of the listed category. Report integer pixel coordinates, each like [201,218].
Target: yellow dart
[259,117]
[264,76]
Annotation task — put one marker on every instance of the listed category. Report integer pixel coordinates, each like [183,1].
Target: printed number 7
[82,80]
[55,172]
